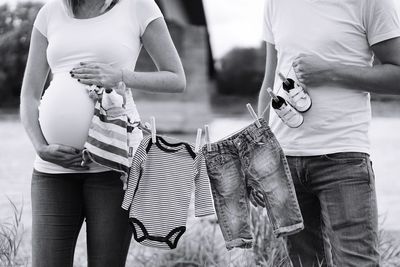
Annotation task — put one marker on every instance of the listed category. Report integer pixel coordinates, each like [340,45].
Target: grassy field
[202,245]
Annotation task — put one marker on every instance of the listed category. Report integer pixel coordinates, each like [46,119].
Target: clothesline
[148,129]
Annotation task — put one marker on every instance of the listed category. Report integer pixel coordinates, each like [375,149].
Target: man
[328,47]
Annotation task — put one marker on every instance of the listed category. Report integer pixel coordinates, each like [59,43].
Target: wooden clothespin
[283,78]
[198,140]
[153,129]
[207,137]
[253,115]
[273,96]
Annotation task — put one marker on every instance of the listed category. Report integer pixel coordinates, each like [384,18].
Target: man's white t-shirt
[114,38]
[340,31]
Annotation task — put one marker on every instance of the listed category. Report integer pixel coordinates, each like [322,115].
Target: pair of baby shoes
[298,101]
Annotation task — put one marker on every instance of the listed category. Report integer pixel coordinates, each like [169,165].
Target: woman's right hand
[65,156]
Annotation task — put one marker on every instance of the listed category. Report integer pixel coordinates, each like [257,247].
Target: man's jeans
[60,204]
[337,198]
[251,161]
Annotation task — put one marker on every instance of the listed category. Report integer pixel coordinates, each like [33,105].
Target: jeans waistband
[249,133]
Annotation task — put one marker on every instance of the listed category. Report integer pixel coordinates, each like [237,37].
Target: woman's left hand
[99,74]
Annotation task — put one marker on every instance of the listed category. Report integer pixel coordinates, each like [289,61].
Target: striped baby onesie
[160,186]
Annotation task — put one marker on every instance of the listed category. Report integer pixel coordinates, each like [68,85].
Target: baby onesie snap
[160,185]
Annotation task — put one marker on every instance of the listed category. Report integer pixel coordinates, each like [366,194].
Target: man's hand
[312,70]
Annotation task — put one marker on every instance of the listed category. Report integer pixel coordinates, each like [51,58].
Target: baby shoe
[298,97]
[288,114]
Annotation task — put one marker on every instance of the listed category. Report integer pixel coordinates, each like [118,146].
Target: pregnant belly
[65,112]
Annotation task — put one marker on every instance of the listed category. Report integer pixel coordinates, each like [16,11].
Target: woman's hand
[99,74]
[65,156]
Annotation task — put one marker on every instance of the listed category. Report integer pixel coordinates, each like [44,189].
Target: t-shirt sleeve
[203,204]
[381,21]
[146,12]
[267,33]
[135,173]
[41,20]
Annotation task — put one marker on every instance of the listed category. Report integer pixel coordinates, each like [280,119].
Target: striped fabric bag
[113,136]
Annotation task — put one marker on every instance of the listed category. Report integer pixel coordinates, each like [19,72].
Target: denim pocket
[264,141]
[371,174]
[216,160]
[353,158]
[352,164]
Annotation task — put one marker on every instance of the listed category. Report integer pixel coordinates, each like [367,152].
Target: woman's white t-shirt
[65,111]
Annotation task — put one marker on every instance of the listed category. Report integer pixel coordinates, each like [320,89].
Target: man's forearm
[379,79]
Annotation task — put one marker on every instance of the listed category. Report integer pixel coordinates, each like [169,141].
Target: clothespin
[283,78]
[153,129]
[198,140]
[207,137]
[273,96]
[253,115]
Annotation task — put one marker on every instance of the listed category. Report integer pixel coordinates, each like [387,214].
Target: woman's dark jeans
[60,203]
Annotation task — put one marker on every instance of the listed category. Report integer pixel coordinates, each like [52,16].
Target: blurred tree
[6,19]
[15,31]
[241,71]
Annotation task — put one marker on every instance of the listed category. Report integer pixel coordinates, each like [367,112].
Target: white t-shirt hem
[48,167]
[319,152]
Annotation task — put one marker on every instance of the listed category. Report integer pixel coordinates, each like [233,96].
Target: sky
[234,23]
[231,23]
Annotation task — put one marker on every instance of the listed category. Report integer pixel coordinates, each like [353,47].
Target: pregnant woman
[85,42]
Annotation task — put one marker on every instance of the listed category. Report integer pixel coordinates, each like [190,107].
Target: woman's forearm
[30,120]
[104,75]
[170,77]
[156,82]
